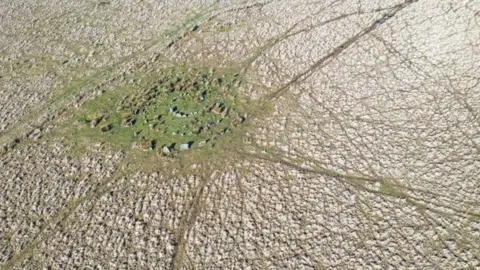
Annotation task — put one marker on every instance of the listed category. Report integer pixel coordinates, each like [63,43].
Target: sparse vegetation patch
[181,109]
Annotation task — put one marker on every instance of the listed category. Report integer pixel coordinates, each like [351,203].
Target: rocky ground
[361,149]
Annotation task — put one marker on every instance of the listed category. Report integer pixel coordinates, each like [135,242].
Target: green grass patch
[170,113]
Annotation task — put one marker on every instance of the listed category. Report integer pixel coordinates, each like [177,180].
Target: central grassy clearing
[180,109]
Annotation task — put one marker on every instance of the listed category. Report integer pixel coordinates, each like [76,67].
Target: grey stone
[166,150]
[184,146]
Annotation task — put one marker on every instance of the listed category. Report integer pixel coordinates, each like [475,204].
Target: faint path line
[287,34]
[421,72]
[338,50]
[359,181]
[384,180]
[64,213]
[36,113]
[186,224]
[71,206]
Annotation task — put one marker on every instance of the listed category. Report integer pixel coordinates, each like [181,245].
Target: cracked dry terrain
[357,146]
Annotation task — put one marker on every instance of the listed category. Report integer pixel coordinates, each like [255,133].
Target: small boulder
[202,144]
[35,134]
[148,145]
[166,150]
[184,147]
[96,121]
[107,127]
[128,121]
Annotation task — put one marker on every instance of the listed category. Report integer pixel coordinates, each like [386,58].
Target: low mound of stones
[182,110]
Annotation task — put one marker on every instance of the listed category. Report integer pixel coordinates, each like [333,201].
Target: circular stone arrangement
[184,109]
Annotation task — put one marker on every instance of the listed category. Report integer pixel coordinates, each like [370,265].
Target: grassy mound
[178,110]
